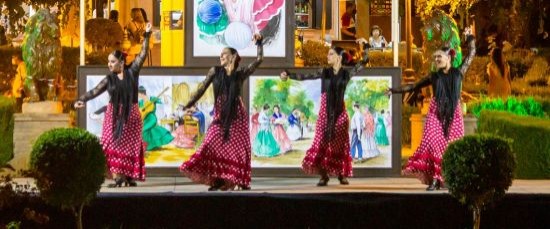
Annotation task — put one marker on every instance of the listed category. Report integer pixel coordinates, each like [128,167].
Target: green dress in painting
[154,135]
[380,134]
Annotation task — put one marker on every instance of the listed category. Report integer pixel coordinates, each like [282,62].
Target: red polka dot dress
[229,160]
[124,155]
[330,155]
[426,161]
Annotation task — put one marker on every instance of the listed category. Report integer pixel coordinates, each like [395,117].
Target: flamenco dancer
[444,121]
[121,137]
[223,159]
[329,154]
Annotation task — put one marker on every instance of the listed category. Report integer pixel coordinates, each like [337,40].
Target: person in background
[18,84]
[347,32]
[113,15]
[499,75]
[376,39]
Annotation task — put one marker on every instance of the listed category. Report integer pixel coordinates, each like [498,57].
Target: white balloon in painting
[238,35]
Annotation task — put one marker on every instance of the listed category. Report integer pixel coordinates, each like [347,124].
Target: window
[380,8]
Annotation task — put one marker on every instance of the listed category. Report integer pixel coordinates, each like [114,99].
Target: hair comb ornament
[451,53]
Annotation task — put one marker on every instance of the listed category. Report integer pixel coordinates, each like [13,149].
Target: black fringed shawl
[228,86]
[123,95]
[334,86]
[447,89]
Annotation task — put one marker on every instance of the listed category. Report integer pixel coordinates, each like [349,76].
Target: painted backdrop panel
[283,117]
[218,24]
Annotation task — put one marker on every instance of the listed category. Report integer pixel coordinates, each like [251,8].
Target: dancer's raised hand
[284,76]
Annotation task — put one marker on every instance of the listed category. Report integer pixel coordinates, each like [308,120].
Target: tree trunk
[477,217]
[78,216]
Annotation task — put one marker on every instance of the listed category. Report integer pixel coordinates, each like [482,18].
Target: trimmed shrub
[68,165]
[478,169]
[524,107]
[104,34]
[314,53]
[7,110]
[385,59]
[531,141]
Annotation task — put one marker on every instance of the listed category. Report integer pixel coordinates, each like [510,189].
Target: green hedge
[520,106]
[6,129]
[531,141]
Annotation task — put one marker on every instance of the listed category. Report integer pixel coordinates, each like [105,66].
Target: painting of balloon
[222,23]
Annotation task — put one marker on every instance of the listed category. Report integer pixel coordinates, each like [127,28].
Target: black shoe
[343,180]
[244,188]
[216,185]
[435,185]
[118,183]
[130,182]
[323,181]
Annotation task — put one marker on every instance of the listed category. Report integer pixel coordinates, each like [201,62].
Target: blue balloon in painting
[210,11]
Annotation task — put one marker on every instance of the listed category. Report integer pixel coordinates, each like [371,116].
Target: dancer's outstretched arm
[259,59]
[472,48]
[424,82]
[201,89]
[297,76]
[140,58]
[92,94]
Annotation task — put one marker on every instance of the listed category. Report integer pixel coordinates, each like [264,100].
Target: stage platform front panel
[176,202]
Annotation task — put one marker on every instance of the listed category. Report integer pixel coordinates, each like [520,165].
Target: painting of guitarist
[154,135]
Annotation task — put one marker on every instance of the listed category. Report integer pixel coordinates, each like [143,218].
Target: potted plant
[478,169]
[68,165]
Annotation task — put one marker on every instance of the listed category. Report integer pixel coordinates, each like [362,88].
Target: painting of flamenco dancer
[221,23]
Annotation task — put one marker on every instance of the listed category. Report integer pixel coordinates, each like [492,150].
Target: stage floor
[401,185]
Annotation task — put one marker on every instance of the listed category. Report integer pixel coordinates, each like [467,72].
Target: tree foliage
[277,92]
[367,92]
[16,15]
[424,8]
[18,19]
[98,28]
